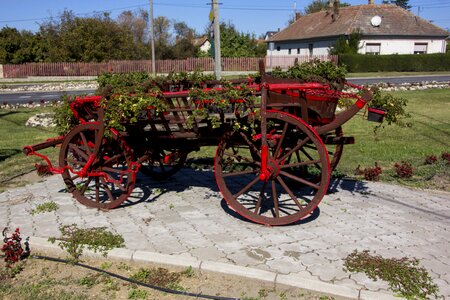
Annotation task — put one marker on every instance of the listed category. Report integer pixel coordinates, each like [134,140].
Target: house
[203,43]
[386,29]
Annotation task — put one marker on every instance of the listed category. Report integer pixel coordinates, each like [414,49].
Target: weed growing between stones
[74,240]
[44,207]
[404,276]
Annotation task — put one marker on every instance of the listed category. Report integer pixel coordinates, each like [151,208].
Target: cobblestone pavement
[187,216]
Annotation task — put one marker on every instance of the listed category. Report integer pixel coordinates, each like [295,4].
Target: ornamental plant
[404,169]
[395,108]
[12,247]
[315,71]
[430,159]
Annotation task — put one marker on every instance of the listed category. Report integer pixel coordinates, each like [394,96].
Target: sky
[255,17]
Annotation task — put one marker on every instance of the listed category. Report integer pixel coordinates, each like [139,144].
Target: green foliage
[317,71]
[74,240]
[344,45]
[403,275]
[45,207]
[63,116]
[319,5]
[237,44]
[135,294]
[122,109]
[396,63]
[395,108]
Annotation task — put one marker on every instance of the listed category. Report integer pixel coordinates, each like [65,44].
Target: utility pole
[217,55]
[152,38]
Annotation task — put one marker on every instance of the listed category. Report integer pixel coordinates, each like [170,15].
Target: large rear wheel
[298,171]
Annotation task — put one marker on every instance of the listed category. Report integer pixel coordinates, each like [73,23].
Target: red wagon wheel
[108,180]
[288,193]
[163,163]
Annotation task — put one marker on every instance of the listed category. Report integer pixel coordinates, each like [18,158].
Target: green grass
[14,135]
[390,74]
[429,134]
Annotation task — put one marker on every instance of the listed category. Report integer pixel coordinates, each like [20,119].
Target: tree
[136,25]
[402,3]
[319,5]
[236,44]
[347,44]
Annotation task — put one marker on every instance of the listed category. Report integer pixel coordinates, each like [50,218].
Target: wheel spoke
[288,190]
[85,142]
[300,164]
[107,190]
[73,161]
[113,158]
[79,151]
[310,184]
[86,185]
[298,146]
[240,173]
[261,194]
[275,199]
[97,190]
[309,156]
[247,187]
[250,144]
[283,134]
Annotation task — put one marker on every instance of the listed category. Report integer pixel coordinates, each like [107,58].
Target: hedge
[396,63]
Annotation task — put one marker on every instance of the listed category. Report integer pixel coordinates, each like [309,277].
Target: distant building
[203,43]
[386,29]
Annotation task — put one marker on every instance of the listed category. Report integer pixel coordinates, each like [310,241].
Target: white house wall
[388,46]
[319,48]
[403,46]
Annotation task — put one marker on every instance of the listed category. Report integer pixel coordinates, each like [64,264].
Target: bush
[404,169]
[395,63]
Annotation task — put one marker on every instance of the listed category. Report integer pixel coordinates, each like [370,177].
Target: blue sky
[248,16]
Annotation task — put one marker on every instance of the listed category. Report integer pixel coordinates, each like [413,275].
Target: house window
[373,49]
[311,49]
[420,48]
[298,50]
[289,51]
[278,48]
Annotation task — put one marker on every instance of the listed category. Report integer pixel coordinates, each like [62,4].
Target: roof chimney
[336,5]
[371,1]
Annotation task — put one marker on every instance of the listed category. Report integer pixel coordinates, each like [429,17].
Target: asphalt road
[401,79]
[13,98]
[25,97]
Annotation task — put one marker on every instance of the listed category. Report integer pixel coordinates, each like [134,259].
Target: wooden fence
[229,64]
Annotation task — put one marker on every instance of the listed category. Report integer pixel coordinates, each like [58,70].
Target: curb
[294,280]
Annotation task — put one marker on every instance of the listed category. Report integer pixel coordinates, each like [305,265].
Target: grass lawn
[14,135]
[429,135]
[391,74]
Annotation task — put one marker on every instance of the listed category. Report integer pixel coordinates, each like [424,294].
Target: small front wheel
[100,178]
[297,173]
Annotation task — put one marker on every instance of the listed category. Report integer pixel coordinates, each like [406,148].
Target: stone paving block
[444,287]
[310,259]
[207,253]
[285,265]
[368,283]
[334,272]
[238,271]
[348,283]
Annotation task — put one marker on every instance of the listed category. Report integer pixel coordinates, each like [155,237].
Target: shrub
[399,63]
[430,159]
[446,157]
[370,173]
[403,169]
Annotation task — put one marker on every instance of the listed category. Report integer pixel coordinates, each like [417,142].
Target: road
[24,97]
[400,79]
